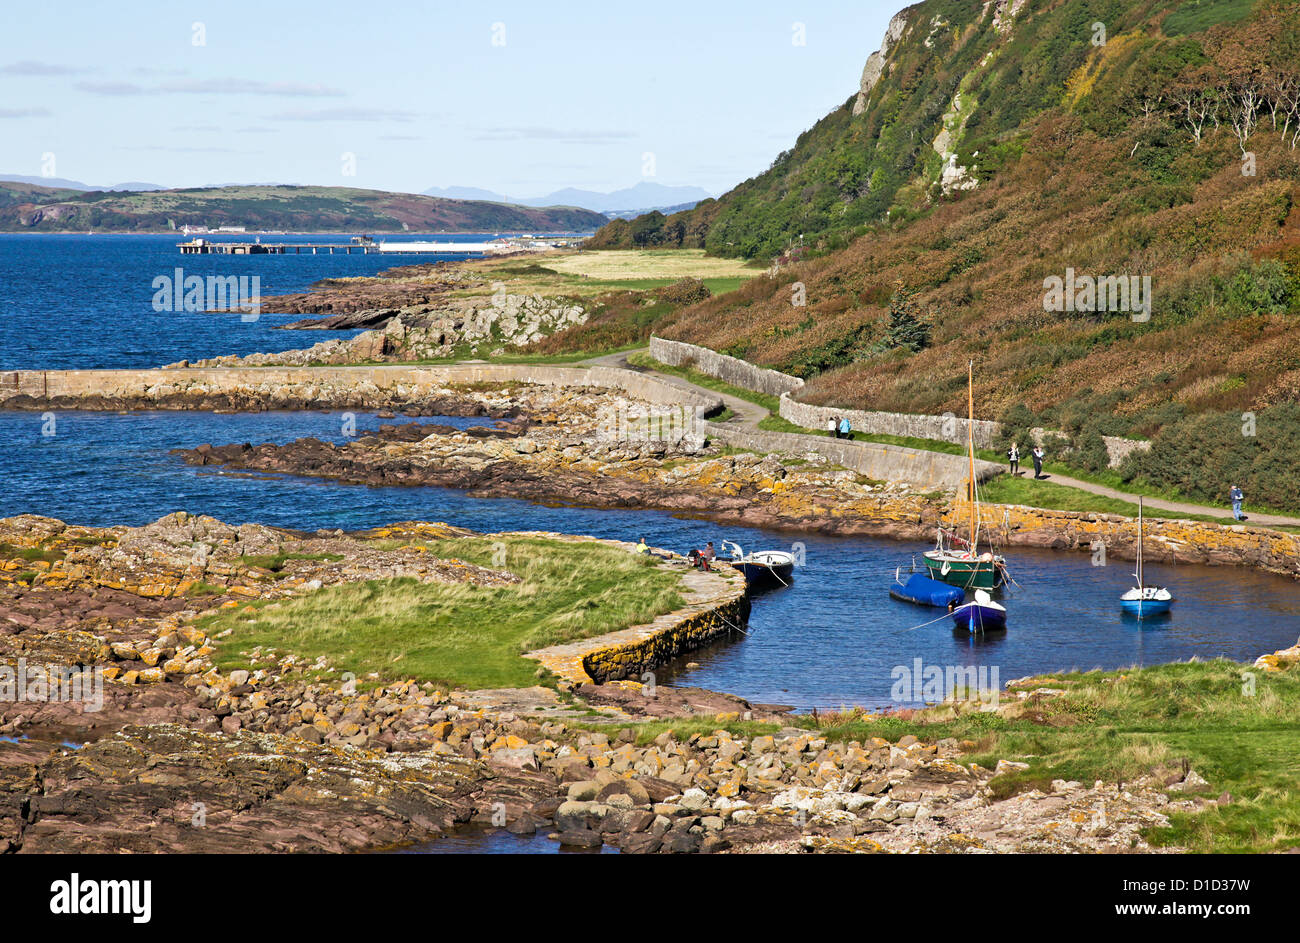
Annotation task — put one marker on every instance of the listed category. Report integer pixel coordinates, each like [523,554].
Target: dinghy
[920,589]
[763,567]
[982,615]
[1145,601]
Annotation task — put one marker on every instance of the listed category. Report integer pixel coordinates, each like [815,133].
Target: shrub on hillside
[1202,455]
[686,291]
[909,328]
[1013,426]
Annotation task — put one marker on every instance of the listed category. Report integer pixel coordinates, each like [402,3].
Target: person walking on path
[846,430]
[1014,456]
[1236,497]
[833,426]
[1037,456]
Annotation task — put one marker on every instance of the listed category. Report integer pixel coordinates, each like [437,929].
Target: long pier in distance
[365,245]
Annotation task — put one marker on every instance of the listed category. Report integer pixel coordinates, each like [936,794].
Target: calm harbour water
[829,640]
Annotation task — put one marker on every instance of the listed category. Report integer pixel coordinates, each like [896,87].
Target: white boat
[763,566]
[1141,600]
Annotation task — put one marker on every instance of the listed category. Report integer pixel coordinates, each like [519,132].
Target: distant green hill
[29,208]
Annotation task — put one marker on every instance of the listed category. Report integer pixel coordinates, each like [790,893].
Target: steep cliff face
[875,66]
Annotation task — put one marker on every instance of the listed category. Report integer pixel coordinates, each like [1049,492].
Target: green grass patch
[1004,489]
[460,634]
[1119,725]
[1042,493]
[275,562]
[201,588]
[1195,16]
[11,552]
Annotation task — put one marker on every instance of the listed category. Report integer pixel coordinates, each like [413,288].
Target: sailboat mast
[970,445]
[1139,572]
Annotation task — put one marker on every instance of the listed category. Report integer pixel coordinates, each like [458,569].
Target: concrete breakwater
[716,605]
[428,388]
[305,387]
[930,470]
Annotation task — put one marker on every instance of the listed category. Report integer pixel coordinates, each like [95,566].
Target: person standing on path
[1236,497]
[846,430]
[833,426]
[1037,456]
[1014,456]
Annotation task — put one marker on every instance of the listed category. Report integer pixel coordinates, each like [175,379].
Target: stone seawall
[716,604]
[732,370]
[948,428]
[290,387]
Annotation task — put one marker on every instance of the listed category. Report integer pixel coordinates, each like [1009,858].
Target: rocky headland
[411,313]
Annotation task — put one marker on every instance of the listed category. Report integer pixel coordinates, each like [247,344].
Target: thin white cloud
[227,86]
[111,88]
[32,67]
[24,112]
[233,86]
[537,133]
[183,150]
[345,114]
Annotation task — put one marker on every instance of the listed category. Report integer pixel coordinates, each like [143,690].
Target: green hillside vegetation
[849,174]
[1169,157]
[26,208]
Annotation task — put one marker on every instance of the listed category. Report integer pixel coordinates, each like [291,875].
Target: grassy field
[459,634]
[669,264]
[585,274]
[1047,494]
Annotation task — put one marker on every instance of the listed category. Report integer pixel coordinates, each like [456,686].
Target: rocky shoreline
[287,756]
[559,458]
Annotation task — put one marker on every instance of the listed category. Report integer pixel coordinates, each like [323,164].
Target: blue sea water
[82,301]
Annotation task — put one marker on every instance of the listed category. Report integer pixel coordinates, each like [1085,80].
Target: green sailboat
[955,560]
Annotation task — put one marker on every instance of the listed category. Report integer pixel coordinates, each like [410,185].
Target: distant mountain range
[643,197]
[27,207]
[60,183]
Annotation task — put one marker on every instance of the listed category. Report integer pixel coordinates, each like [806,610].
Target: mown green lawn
[459,634]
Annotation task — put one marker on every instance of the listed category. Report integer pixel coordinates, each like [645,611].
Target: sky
[520,98]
